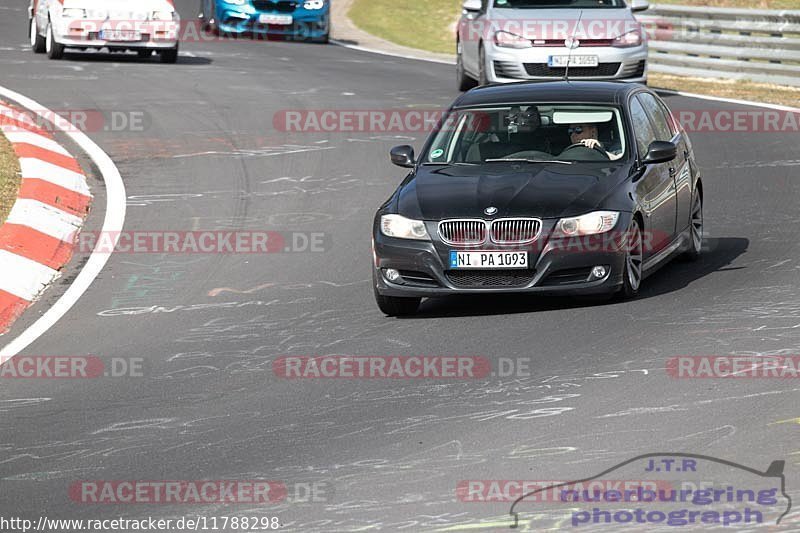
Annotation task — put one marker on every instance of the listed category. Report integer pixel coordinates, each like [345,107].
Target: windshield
[556,4]
[536,133]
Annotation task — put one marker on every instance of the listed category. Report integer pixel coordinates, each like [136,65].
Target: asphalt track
[390,452]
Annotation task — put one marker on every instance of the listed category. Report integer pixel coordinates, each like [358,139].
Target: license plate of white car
[574,61]
[120,35]
[462,260]
[280,20]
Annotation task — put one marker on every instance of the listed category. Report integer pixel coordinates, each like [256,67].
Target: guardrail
[760,45]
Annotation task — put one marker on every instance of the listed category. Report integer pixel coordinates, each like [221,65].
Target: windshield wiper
[445,164]
[516,160]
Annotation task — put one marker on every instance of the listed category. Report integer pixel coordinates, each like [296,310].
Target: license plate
[120,35]
[574,61]
[459,260]
[280,20]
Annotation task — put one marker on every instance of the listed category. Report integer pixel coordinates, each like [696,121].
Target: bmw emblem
[491,211]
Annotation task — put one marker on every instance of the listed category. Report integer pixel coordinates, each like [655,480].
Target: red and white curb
[39,235]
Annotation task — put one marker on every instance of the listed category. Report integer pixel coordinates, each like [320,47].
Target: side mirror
[660,152]
[472,7]
[403,156]
[640,5]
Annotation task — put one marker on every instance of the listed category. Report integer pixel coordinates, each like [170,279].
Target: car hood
[545,191]
[560,23]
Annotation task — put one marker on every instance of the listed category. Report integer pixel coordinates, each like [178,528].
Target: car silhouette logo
[490,211]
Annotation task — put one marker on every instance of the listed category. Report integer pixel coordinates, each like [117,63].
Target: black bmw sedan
[561,187]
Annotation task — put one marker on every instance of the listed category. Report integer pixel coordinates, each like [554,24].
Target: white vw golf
[143,26]
[503,41]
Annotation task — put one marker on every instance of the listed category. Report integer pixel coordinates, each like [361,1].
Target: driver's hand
[591,143]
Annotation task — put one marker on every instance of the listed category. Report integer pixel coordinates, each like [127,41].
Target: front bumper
[558,266]
[506,65]
[81,33]
[246,19]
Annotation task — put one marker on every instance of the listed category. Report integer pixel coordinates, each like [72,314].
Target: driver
[586,134]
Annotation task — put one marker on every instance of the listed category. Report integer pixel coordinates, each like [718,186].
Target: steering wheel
[598,147]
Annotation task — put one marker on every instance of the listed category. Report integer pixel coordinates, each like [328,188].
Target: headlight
[591,224]
[73,13]
[403,228]
[314,4]
[164,15]
[627,40]
[505,39]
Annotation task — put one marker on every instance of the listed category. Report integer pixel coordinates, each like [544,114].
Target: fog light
[392,274]
[598,272]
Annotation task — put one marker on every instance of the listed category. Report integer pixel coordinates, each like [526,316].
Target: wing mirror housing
[640,5]
[660,152]
[471,7]
[403,156]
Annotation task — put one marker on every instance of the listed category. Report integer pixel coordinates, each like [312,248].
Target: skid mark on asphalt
[266,151]
[284,286]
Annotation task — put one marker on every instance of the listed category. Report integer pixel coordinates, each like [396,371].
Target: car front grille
[281,6]
[542,70]
[501,231]
[515,230]
[463,232]
[490,278]
[639,70]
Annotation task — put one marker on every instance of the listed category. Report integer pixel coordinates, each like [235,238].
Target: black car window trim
[640,96]
[631,97]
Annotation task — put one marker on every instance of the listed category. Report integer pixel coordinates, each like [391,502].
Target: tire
[37,41]
[634,259]
[144,54]
[325,39]
[169,56]
[465,83]
[696,225]
[54,49]
[483,79]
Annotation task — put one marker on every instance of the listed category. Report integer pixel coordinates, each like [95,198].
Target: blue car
[303,20]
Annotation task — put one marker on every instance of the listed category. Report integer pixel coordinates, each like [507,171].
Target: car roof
[600,92]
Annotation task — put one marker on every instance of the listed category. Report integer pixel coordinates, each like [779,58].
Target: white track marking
[14,135]
[392,54]
[45,219]
[23,277]
[113,224]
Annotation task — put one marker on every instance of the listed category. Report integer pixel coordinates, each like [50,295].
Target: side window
[656,113]
[642,128]
[673,122]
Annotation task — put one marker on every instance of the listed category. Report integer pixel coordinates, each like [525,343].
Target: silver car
[511,40]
